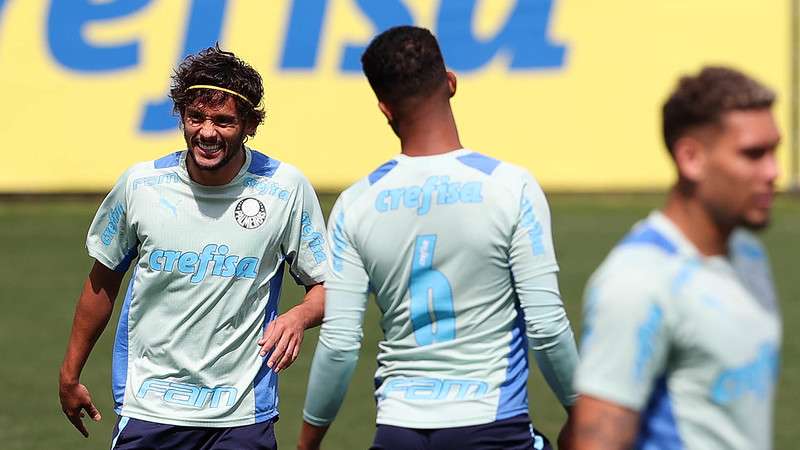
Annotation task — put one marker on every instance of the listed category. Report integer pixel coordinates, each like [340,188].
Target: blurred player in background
[682,329]
[209,228]
[457,248]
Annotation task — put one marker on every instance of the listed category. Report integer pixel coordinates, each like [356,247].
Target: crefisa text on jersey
[422,197]
[198,264]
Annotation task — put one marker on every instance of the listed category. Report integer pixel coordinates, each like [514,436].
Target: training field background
[569,89]
[44,264]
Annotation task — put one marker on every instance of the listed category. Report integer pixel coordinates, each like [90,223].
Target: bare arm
[601,425]
[311,436]
[284,335]
[94,308]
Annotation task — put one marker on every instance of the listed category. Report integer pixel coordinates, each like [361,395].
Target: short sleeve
[304,245]
[347,272]
[111,239]
[626,340]
[532,252]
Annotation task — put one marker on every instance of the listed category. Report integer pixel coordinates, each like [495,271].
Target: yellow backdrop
[570,89]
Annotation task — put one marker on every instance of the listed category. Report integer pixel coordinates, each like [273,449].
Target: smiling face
[734,171]
[214,135]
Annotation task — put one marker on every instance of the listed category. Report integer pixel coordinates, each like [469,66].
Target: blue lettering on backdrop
[2,8]
[65,25]
[383,14]
[203,30]
[303,34]
[523,36]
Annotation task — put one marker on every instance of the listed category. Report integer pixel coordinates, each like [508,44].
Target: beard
[218,165]
[230,152]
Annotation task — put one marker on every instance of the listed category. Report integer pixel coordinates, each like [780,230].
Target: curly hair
[216,67]
[404,62]
[703,99]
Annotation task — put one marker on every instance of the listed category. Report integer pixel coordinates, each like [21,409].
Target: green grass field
[45,264]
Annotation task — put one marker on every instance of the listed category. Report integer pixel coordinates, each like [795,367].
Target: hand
[283,337]
[75,399]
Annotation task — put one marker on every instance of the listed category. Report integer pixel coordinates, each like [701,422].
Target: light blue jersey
[207,276]
[690,342]
[458,252]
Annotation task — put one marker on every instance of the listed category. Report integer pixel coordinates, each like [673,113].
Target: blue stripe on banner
[265,384]
[480,162]
[119,362]
[123,422]
[658,429]
[263,165]
[381,171]
[170,160]
[514,390]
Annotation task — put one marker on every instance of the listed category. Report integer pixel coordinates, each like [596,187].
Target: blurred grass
[45,264]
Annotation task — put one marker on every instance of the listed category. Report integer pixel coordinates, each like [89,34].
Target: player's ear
[451,83]
[690,157]
[250,127]
[386,111]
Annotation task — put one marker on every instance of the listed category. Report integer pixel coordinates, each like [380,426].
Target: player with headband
[208,231]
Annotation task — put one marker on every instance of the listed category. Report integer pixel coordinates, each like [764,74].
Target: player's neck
[429,134]
[696,223]
[216,177]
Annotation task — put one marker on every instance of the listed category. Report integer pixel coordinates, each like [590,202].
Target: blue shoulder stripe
[480,162]
[170,160]
[263,165]
[381,171]
[647,235]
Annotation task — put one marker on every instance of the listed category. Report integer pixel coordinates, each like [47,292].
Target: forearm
[335,357]
[558,363]
[550,335]
[328,381]
[312,308]
[601,425]
[94,309]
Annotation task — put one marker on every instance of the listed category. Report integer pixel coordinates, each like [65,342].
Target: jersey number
[432,314]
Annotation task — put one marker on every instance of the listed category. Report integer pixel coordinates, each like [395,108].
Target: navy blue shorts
[515,433]
[135,434]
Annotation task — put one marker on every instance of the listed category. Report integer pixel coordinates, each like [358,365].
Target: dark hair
[223,69]
[703,99]
[404,62]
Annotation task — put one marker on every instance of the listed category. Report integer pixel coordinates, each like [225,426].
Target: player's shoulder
[744,244]
[263,165]
[498,171]
[356,191]
[646,261]
[151,171]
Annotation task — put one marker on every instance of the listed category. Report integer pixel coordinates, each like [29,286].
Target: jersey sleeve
[304,246]
[533,267]
[532,252]
[111,239]
[626,340]
[340,337]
